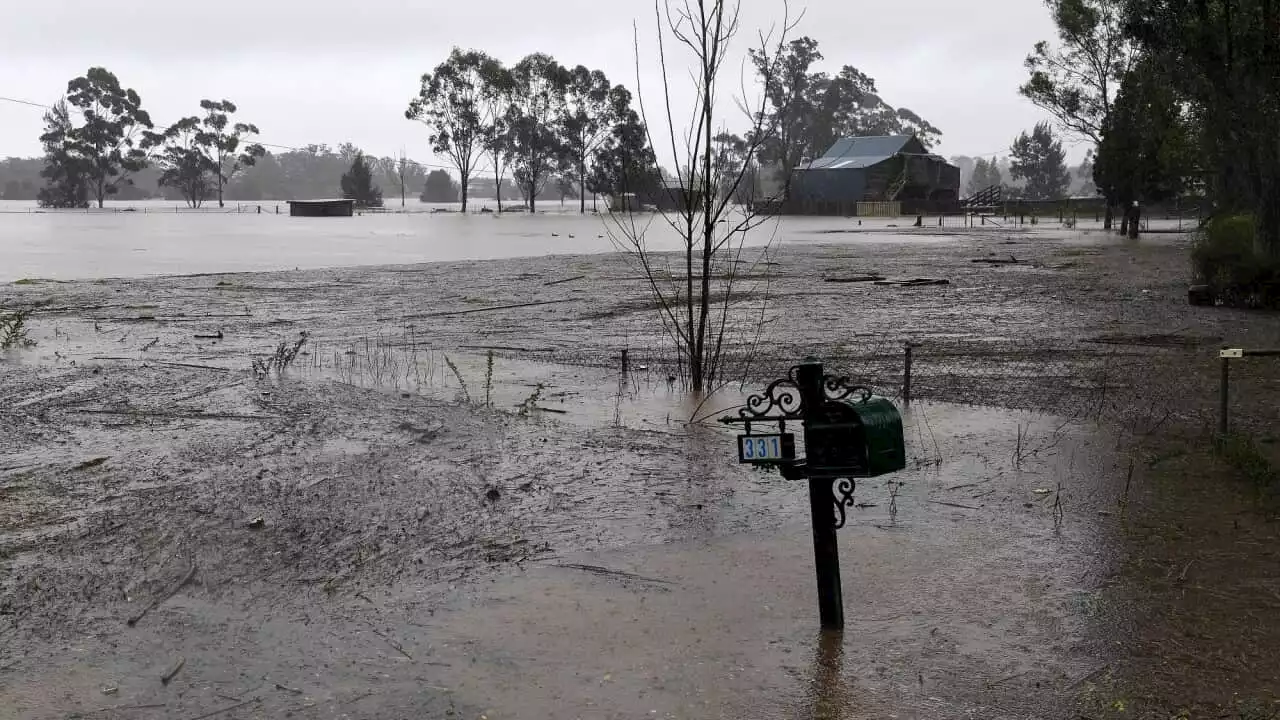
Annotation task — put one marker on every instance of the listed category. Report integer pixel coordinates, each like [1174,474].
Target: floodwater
[347,540]
[160,238]
[163,238]
[415,557]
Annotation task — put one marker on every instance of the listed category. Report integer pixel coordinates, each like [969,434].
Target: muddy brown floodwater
[373,534]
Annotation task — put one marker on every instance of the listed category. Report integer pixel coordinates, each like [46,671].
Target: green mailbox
[848,434]
[848,438]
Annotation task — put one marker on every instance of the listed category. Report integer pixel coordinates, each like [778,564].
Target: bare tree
[396,171]
[703,305]
[402,173]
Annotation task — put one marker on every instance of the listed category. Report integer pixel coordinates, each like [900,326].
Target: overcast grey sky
[321,71]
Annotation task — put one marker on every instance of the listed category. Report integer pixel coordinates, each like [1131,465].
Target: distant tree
[64,170]
[498,94]
[1077,80]
[450,103]
[965,163]
[347,152]
[19,190]
[809,110]
[357,183]
[308,172]
[440,188]
[184,162]
[1082,182]
[225,144]
[114,139]
[535,148]
[20,177]
[977,177]
[565,187]
[909,123]
[1148,151]
[733,165]
[401,173]
[793,95]
[1039,159]
[986,173]
[266,180]
[625,162]
[585,120]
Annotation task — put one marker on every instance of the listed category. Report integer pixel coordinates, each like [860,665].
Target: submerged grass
[1243,454]
[466,395]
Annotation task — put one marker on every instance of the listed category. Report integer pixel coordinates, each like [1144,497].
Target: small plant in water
[894,487]
[281,359]
[531,403]
[462,383]
[488,381]
[13,331]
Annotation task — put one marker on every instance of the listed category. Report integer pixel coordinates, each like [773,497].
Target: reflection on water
[829,699]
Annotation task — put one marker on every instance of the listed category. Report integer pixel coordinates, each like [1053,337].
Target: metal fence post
[624,362]
[1223,397]
[906,374]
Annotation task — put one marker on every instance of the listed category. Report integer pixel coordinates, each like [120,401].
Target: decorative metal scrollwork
[843,493]
[780,401]
[839,388]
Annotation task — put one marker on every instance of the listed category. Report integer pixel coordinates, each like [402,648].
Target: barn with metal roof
[859,175]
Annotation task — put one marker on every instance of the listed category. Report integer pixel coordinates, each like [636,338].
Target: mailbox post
[844,439]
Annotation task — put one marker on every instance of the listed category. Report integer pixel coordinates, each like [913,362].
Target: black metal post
[1223,398]
[624,362]
[906,376]
[826,552]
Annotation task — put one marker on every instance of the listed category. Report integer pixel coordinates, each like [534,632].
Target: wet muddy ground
[360,536]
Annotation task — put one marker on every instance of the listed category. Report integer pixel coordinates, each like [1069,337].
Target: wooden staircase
[987,198]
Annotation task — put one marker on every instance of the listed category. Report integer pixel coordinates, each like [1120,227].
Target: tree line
[1175,97]
[542,128]
[1013,172]
[98,136]
[540,121]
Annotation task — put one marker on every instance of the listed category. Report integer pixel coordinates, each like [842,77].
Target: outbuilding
[322,208]
[875,175]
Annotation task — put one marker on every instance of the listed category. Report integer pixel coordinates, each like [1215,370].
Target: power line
[24,102]
[291,148]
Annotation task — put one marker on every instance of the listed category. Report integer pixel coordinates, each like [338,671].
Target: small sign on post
[848,434]
[766,449]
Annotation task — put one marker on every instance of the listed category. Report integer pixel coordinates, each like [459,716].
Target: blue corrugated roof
[865,147]
[859,152]
[839,162]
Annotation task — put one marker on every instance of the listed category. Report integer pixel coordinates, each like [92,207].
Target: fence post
[1223,398]
[906,374]
[624,362]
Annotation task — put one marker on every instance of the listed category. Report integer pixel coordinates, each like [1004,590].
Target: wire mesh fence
[1140,383]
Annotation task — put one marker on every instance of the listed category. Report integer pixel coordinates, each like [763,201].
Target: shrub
[13,330]
[1225,257]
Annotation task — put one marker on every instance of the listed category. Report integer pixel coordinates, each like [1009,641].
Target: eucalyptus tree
[113,140]
[450,103]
